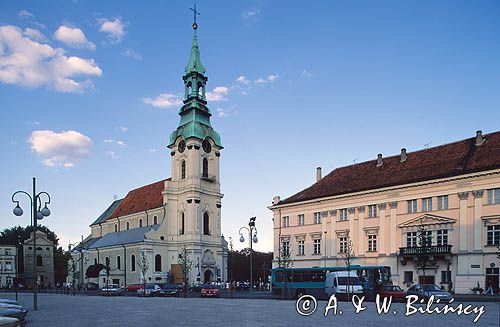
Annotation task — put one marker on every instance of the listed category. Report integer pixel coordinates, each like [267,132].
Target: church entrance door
[208,276]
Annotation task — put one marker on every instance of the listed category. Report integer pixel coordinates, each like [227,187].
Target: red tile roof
[454,159]
[141,199]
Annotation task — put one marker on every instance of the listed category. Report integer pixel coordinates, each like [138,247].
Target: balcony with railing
[425,250]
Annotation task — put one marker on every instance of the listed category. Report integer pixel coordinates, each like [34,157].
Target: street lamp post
[37,213]
[82,251]
[252,238]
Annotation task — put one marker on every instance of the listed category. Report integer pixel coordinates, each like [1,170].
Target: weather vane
[195,13]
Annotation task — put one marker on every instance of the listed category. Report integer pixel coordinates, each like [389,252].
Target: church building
[156,222]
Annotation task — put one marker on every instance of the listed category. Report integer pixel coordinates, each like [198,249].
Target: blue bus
[294,282]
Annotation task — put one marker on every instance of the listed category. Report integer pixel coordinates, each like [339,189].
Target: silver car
[425,291]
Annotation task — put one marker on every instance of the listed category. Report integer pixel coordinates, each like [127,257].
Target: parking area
[66,310]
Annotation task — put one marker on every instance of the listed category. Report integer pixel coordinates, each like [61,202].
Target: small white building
[8,265]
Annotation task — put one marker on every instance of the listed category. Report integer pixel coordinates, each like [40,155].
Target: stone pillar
[361,234]
[393,229]
[352,231]
[463,196]
[324,234]
[478,212]
[333,234]
[383,237]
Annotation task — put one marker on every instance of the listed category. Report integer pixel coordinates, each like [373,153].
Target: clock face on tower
[182,146]
[207,147]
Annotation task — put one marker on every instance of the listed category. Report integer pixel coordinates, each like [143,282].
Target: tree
[144,267]
[107,269]
[186,266]
[423,242]
[348,255]
[284,261]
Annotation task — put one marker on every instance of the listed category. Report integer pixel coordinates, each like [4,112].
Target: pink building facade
[433,216]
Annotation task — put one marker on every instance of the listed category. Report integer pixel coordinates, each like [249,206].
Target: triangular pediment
[427,219]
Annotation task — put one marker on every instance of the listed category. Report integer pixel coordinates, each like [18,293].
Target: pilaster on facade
[478,224]
[463,205]
[361,233]
[382,224]
[393,228]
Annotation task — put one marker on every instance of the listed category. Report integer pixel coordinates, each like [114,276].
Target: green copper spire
[195,115]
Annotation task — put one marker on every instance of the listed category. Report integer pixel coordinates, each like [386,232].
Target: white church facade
[158,221]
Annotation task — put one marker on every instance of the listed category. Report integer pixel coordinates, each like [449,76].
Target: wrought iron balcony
[425,250]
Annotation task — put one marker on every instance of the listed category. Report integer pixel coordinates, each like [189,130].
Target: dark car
[169,290]
[196,288]
[151,290]
[133,287]
[425,291]
[91,286]
[395,292]
[210,290]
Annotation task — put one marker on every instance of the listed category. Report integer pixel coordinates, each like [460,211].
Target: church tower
[193,195]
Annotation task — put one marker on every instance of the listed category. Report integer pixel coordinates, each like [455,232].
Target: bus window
[280,276]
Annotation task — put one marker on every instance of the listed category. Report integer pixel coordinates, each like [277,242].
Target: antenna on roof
[426,145]
[354,160]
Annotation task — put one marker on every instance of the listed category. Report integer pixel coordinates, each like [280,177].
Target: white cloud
[123,128]
[164,100]
[26,15]
[26,62]
[272,78]
[63,149]
[306,73]
[115,29]
[218,94]
[152,150]
[131,54]
[117,142]
[73,37]
[35,35]
[223,113]
[111,154]
[243,79]
[250,14]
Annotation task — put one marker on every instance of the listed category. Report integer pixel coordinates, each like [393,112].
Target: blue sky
[89,94]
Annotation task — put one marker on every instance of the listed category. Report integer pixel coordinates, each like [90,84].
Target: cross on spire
[195,13]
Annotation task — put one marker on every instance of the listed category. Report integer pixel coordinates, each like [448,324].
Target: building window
[95,261]
[317,246]
[493,235]
[116,228]
[128,225]
[343,214]
[205,167]
[183,169]
[285,245]
[155,220]
[39,261]
[411,239]
[425,239]
[157,262]
[181,232]
[132,262]
[426,204]
[412,206]
[7,251]
[343,244]
[140,222]
[442,237]
[317,218]
[8,265]
[372,211]
[493,196]
[301,220]
[372,243]
[300,247]
[206,224]
[286,221]
[408,277]
[443,202]
[445,276]
[118,262]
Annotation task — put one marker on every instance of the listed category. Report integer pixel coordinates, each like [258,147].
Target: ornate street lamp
[37,213]
[252,238]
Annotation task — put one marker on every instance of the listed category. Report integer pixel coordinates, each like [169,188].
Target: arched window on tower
[140,222]
[39,261]
[206,224]
[132,262]
[128,225]
[116,228]
[95,261]
[181,230]
[205,167]
[118,263]
[157,262]
[155,220]
[183,169]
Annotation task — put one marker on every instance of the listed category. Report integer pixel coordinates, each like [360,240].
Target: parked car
[393,291]
[112,289]
[151,290]
[195,288]
[210,290]
[425,291]
[169,290]
[13,312]
[10,322]
[133,287]
[91,286]
[9,301]
[340,282]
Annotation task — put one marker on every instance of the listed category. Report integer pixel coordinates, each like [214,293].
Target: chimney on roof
[318,174]
[403,155]
[276,199]
[379,160]
[479,138]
